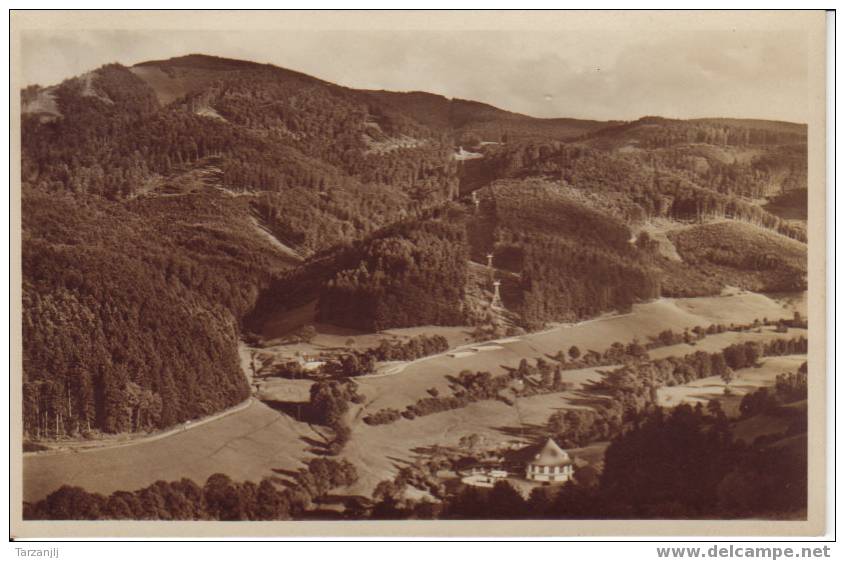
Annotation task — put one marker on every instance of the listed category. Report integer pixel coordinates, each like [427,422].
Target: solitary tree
[727,376]
[306,333]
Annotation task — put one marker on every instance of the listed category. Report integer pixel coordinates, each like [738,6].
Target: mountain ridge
[213,62]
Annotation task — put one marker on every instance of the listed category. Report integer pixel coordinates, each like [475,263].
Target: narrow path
[87,446]
[526,338]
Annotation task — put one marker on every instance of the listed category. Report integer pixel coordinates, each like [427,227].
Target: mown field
[265,439]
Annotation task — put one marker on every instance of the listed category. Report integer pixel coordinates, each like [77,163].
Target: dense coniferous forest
[415,275]
[130,310]
[412,273]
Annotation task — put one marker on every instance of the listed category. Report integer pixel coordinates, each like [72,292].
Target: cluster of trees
[687,464]
[329,402]
[660,132]
[778,169]
[574,359]
[536,206]
[219,498]
[667,337]
[76,152]
[383,417]
[789,388]
[412,349]
[563,280]
[632,389]
[619,353]
[359,363]
[410,273]
[539,379]
[309,220]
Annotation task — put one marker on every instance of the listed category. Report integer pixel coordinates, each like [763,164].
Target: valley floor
[264,439]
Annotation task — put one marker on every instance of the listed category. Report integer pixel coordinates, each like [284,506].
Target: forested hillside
[412,273]
[170,206]
[740,255]
[650,184]
[130,311]
[573,257]
[145,225]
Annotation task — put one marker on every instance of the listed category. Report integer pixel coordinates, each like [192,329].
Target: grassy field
[246,445]
[265,440]
[746,381]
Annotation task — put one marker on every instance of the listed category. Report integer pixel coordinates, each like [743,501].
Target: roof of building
[551,455]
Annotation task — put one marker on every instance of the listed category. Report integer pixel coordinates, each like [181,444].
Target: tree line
[220,498]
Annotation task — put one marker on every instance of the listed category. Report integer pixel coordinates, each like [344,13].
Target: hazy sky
[585,74]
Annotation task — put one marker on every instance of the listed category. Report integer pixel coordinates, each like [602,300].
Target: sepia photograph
[418,273]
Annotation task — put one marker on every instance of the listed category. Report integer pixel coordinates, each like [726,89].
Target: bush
[383,417]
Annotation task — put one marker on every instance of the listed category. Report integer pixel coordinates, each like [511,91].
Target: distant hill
[657,132]
[176,77]
[487,123]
